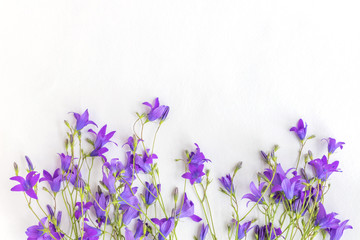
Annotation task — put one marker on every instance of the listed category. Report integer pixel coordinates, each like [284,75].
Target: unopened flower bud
[310,155]
[30,165]
[71,139]
[176,194]
[50,211]
[16,168]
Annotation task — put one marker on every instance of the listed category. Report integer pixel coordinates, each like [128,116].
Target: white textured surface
[237,75]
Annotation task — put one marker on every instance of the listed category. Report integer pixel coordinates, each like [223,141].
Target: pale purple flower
[187,210]
[256,193]
[243,229]
[203,232]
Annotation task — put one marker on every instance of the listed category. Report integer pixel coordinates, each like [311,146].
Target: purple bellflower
[243,229]
[157,111]
[324,220]
[75,178]
[166,226]
[90,233]
[333,145]
[54,181]
[82,208]
[300,130]
[151,192]
[114,166]
[256,193]
[132,144]
[203,232]
[82,120]
[263,233]
[227,184]
[129,204]
[26,185]
[36,232]
[187,210]
[139,230]
[65,162]
[142,163]
[336,233]
[195,173]
[109,182]
[197,158]
[100,205]
[322,169]
[101,139]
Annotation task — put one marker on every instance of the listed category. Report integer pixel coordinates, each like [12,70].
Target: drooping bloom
[151,192]
[65,162]
[26,185]
[256,193]
[36,232]
[203,232]
[187,210]
[129,204]
[322,169]
[100,205]
[157,111]
[227,183]
[166,226]
[267,232]
[82,120]
[195,173]
[54,181]
[300,130]
[324,220]
[90,233]
[101,139]
[336,233]
[333,145]
[243,229]
[82,208]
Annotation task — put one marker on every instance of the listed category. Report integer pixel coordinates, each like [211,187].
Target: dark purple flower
[187,210]
[100,205]
[82,120]
[267,232]
[101,139]
[300,130]
[36,232]
[243,230]
[195,173]
[322,169]
[54,181]
[151,192]
[82,208]
[65,162]
[324,220]
[336,233]
[166,226]
[30,165]
[203,232]
[227,184]
[26,185]
[90,233]
[157,111]
[129,204]
[256,193]
[132,144]
[333,145]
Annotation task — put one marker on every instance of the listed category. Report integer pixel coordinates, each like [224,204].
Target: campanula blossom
[109,182]
[132,144]
[75,178]
[151,192]
[26,185]
[37,231]
[90,233]
[197,158]
[115,167]
[142,163]
[203,232]
[82,120]
[300,130]
[195,173]
[336,233]
[323,169]
[101,139]
[157,111]
[29,163]
[139,230]
[256,193]
[227,183]
[54,181]
[187,210]
[267,232]
[65,162]
[333,145]
[57,235]
[166,226]
[324,220]
[243,229]
[129,204]
[100,206]
[82,208]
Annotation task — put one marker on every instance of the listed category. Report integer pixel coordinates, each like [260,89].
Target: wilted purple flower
[82,120]
[256,193]
[90,233]
[195,173]
[26,185]
[129,204]
[151,192]
[267,232]
[101,139]
[243,230]
[30,165]
[157,111]
[132,144]
[322,169]
[100,205]
[203,232]
[54,181]
[324,220]
[82,208]
[166,226]
[187,210]
[333,145]
[227,183]
[336,233]
[300,130]
[36,232]
[65,162]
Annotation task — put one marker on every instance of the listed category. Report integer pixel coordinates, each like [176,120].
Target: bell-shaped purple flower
[256,193]
[300,130]
[322,169]
[101,139]
[91,233]
[166,226]
[187,210]
[197,158]
[65,162]
[82,120]
[203,232]
[157,111]
[82,208]
[115,167]
[333,145]
[129,204]
[195,173]
[109,182]
[324,220]
[100,205]
[132,144]
[151,192]
[267,232]
[227,183]
[26,185]
[243,229]
[54,181]
[139,230]
[36,232]
[336,233]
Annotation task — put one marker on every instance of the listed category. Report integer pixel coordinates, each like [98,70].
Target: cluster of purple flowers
[122,199]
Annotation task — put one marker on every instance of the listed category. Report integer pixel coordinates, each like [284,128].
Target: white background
[236,75]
